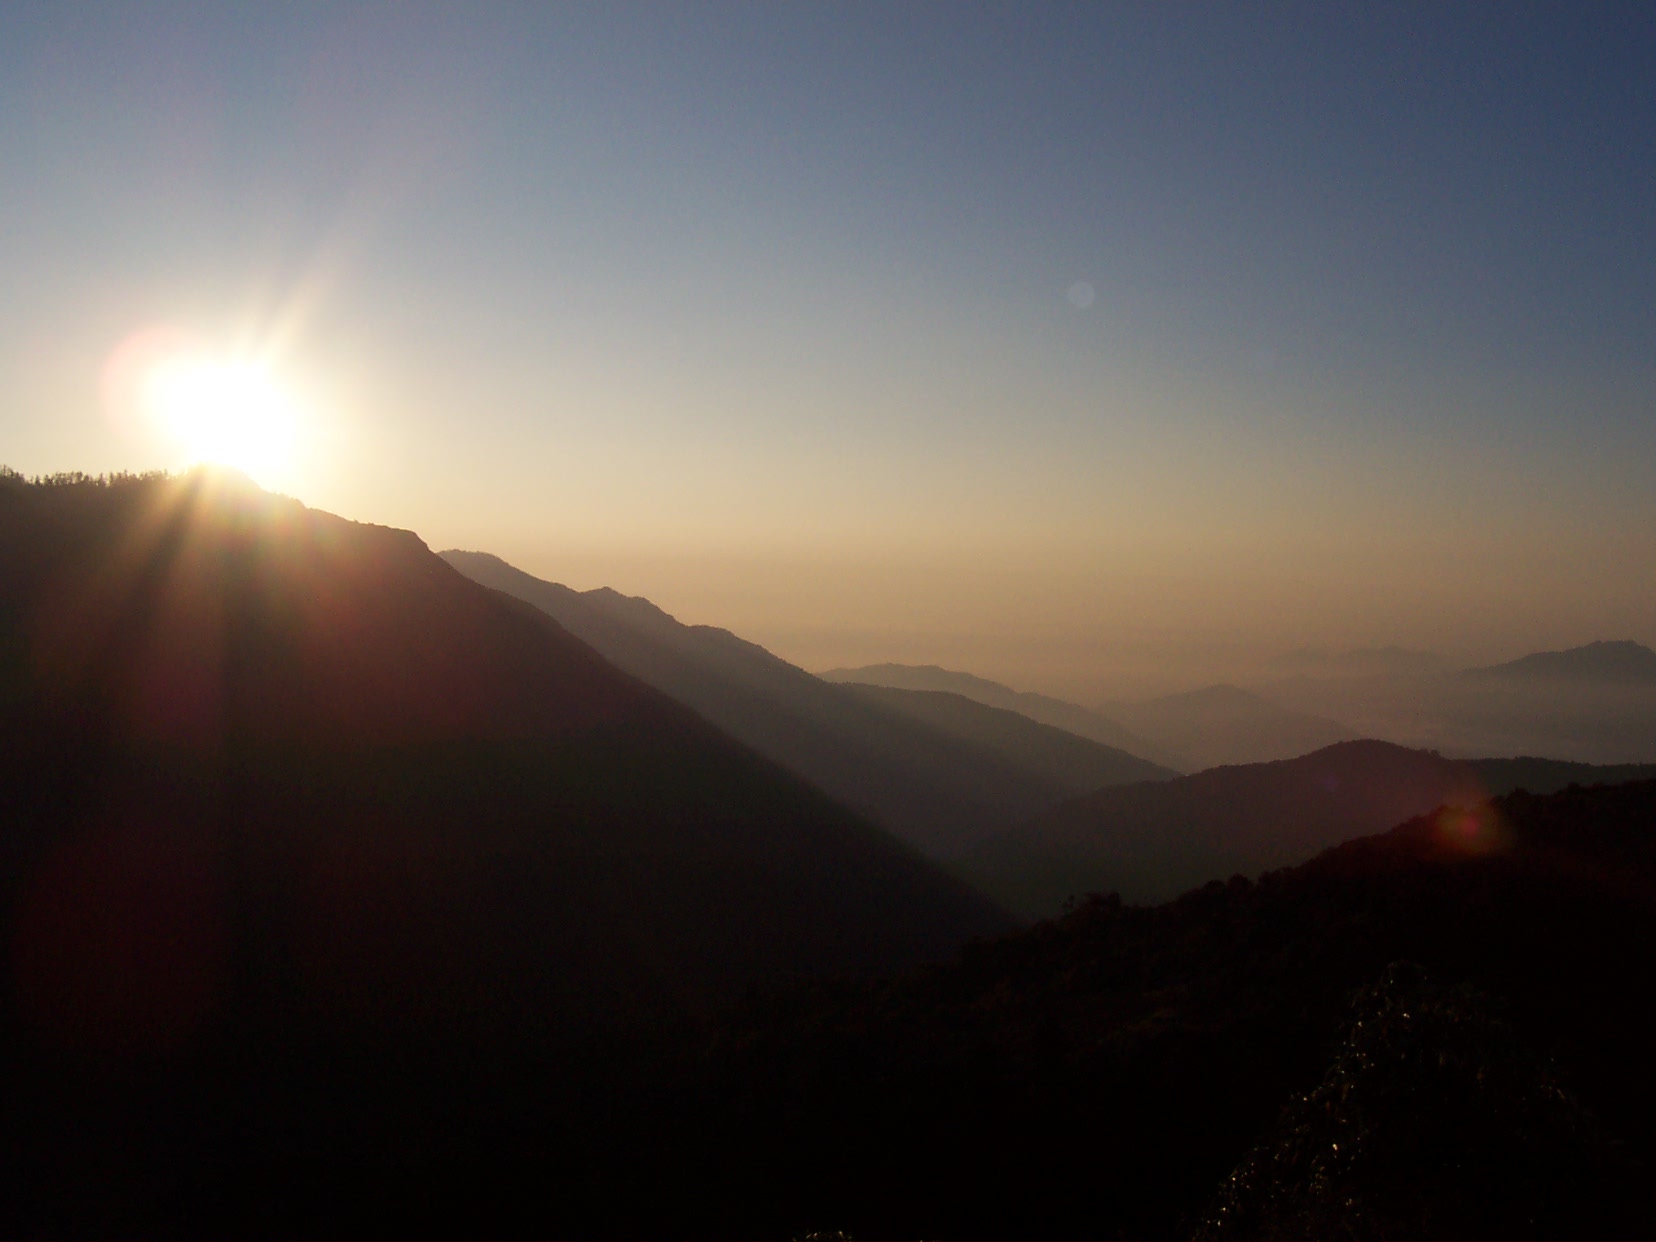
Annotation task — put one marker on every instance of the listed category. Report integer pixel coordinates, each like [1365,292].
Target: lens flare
[226,412]
[1474,829]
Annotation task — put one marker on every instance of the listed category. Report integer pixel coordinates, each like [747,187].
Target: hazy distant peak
[487,564]
[1360,749]
[917,677]
[640,611]
[1061,714]
[495,572]
[1622,661]
[609,597]
[718,634]
[1343,759]
[467,554]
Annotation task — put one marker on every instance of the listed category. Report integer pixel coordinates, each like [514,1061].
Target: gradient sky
[1048,341]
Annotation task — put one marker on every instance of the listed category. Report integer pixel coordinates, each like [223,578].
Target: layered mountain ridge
[1189,731]
[1620,662]
[940,780]
[344,894]
[1059,713]
[425,799]
[1151,842]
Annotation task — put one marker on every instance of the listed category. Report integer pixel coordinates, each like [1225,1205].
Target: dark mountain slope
[1543,776]
[198,612]
[1130,1057]
[311,840]
[1071,717]
[1227,725]
[192,627]
[942,790]
[1150,842]
[1602,663]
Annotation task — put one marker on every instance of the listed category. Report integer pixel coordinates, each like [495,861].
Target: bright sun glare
[227,412]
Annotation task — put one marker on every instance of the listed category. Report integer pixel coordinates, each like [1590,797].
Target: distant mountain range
[1188,732]
[1600,663]
[1065,759]
[1151,842]
[1060,714]
[1594,703]
[936,773]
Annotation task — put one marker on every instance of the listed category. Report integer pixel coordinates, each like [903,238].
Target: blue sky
[1043,338]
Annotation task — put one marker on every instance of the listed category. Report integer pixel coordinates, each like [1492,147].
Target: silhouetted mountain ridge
[1045,709]
[312,843]
[941,789]
[1066,759]
[1624,663]
[1151,842]
[1187,732]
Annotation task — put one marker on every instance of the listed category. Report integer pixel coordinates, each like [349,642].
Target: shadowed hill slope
[941,789]
[1544,776]
[1138,1054]
[1151,842]
[1071,717]
[310,840]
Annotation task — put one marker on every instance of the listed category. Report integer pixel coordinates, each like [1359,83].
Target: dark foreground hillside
[317,857]
[1106,1074]
[1151,842]
[1441,1031]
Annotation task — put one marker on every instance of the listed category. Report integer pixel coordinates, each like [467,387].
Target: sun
[225,411]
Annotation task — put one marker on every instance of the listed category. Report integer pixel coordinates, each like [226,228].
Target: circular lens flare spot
[1471,830]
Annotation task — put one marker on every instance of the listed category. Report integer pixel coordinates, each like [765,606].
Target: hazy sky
[1043,341]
